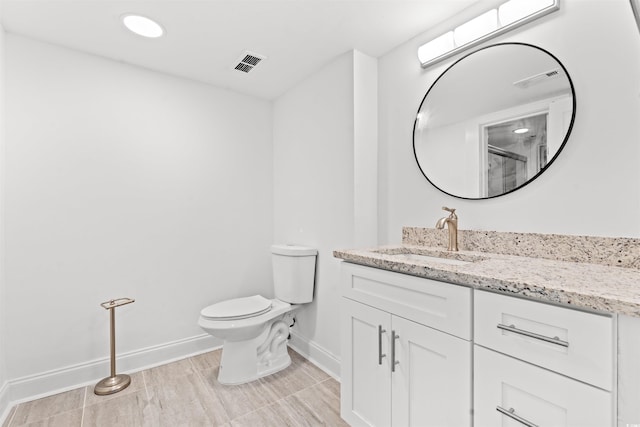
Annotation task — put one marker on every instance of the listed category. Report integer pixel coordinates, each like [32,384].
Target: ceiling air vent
[537,78]
[248,61]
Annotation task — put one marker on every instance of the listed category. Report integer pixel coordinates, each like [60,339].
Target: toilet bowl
[255,330]
[255,340]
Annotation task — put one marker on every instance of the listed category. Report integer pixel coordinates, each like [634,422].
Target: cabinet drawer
[574,343]
[511,392]
[439,305]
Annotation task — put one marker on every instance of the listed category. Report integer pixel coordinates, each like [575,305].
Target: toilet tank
[294,271]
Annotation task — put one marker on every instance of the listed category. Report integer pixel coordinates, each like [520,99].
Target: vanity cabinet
[406,350]
[419,352]
[538,364]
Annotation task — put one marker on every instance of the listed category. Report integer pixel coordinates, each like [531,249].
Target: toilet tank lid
[293,250]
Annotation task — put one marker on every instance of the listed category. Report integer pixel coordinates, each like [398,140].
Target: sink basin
[429,256]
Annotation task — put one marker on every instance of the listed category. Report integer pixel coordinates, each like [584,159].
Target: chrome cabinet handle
[394,362]
[554,340]
[380,355]
[511,413]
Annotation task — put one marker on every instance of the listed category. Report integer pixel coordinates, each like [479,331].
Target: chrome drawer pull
[394,362]
[380,355]
[554,340]
[511,413]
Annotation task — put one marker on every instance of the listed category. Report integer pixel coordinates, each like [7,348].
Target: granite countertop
[585,285]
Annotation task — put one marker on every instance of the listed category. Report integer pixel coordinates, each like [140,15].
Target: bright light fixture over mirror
[436,47]
[509,15]
[476,28]
[142,26]
[514,10]
[521,130]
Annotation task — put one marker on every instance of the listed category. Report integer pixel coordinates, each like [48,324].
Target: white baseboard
[71,377]
[317,354]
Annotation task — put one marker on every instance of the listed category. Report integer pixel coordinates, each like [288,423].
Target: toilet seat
[238,308]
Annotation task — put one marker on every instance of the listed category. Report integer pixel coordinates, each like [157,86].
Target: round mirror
[494,121]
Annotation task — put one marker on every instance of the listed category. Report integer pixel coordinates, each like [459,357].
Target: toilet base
[248,360]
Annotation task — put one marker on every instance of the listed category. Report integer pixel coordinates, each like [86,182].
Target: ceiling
[205,38]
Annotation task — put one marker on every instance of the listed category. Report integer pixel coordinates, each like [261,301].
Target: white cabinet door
[509,392]
[366,382]
[431,385]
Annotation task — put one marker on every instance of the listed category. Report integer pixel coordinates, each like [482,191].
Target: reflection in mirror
[494,121]
[510,145]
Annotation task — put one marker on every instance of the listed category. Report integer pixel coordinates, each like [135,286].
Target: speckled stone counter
[614,252]
[590,273]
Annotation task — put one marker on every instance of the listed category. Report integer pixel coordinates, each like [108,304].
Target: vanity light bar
[508,16]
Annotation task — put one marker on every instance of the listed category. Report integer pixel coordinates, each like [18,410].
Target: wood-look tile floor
[187,393]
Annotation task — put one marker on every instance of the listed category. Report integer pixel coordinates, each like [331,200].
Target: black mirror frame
[533,178]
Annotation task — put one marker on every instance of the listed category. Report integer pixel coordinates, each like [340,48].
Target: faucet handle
[453,212]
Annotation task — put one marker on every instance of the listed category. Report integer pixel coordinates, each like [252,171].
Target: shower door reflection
[506,171]
[516,150]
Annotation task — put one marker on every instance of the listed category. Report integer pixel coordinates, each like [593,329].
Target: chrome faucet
[452,225]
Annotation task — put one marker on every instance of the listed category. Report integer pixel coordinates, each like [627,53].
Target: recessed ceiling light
[142,26]
[521,130]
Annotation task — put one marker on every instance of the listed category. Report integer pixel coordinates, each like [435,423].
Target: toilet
[254,329]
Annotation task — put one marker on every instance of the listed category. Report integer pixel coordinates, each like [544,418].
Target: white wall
[3,322]
[365,141]
[313,184]
[122,182]
[592,188]
[319,185]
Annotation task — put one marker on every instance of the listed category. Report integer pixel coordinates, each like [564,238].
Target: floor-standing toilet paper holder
[113,383]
